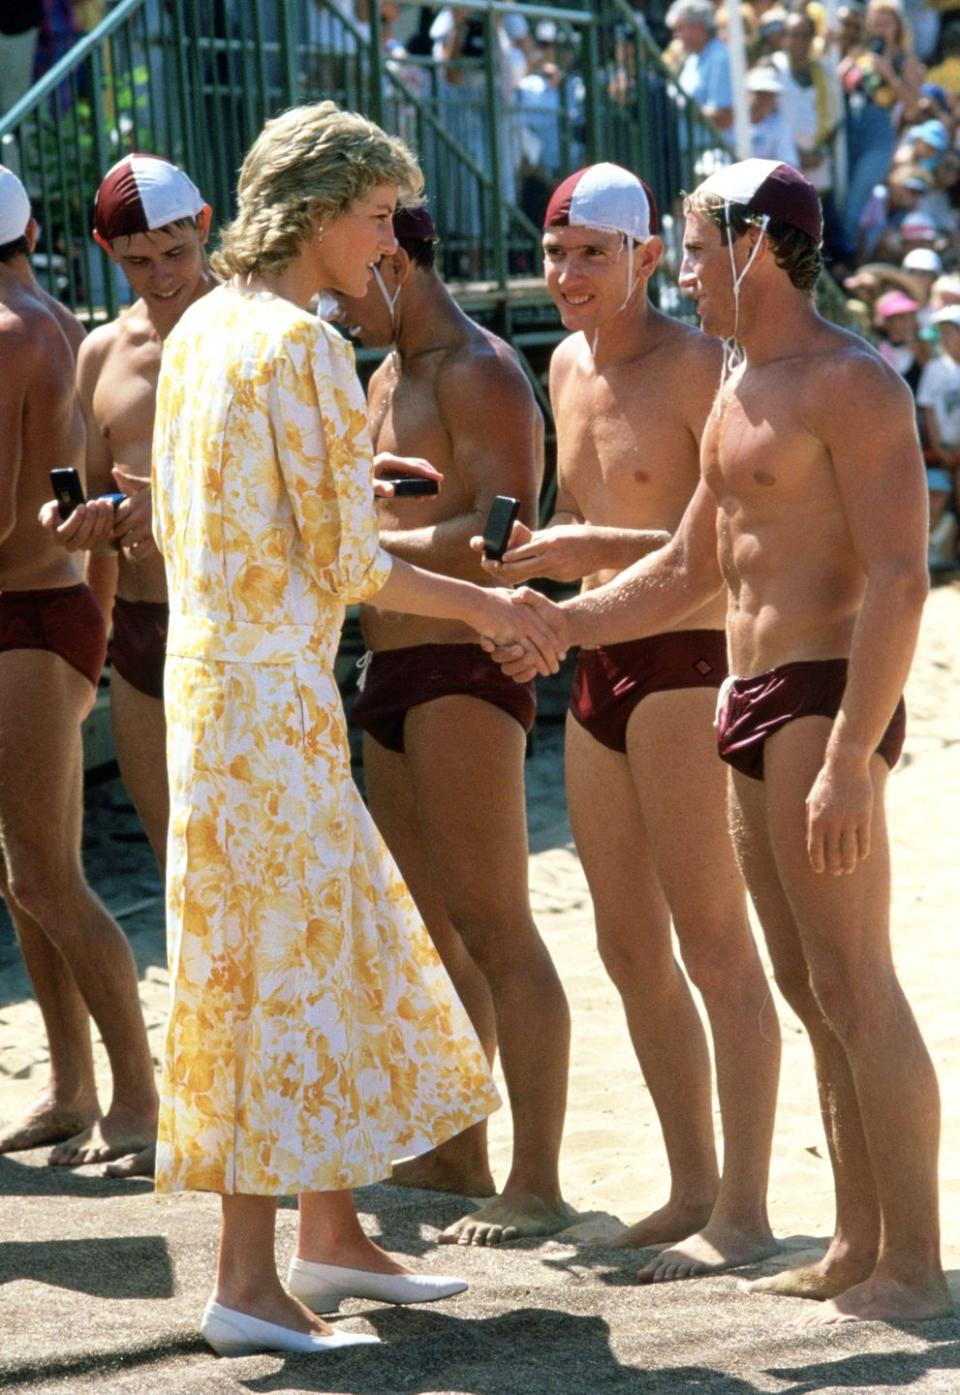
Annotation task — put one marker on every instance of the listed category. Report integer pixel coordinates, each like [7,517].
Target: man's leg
[466,764]
[633,937]
[844,927]
[852,1252]
[140,737]
[69,1102]
[461,1164]
[681,788]
[42,701]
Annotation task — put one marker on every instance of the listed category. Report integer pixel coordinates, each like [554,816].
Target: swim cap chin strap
[632,243]
[732,352]
[390,299]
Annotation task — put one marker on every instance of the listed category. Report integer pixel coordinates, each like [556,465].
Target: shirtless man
[814,519]
[445,733]
[152,221]
[631,391]
[52,644]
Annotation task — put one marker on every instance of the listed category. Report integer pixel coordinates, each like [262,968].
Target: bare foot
[140,1164]
[885,1300]
[672,1222]
[44,1123]
[116,1134]
[713,1250]
[509,1218]
[363,1253]
[434,1173]
[827,1278]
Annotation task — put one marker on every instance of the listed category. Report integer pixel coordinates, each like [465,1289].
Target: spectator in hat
[881,80]
[923,145]
[889,204]
[770,136]
[705,72]
[898,341]
[938,398]
[924,266]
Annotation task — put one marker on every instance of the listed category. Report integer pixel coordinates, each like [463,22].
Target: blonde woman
[881,79]
[313,1036]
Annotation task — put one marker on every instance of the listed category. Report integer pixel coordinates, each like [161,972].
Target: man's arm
[884,497]
[18,364]
[90,526]
[488,410]
[659,590]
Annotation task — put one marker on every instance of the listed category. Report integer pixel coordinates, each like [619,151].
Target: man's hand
[839,813]
[523,631]
[540,643]
[133,522]
[89,527]
[386,463]
[565,552]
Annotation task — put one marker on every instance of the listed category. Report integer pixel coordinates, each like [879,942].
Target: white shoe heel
[232,1333]
[322,1287]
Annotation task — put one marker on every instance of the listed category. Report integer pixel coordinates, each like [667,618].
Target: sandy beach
[104,1283]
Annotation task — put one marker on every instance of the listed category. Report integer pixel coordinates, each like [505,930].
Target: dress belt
[240,642]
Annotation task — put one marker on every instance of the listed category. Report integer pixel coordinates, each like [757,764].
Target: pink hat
[141,193]
[895,303]
[919,226]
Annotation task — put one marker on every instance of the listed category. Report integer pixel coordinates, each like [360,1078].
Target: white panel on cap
[167,194]
[14,207]
[738,183]
[611,199]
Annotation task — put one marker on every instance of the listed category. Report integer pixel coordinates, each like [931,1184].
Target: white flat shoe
[238,1334]
[323,1286]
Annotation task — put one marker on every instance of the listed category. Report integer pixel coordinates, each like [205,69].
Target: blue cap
[931,132]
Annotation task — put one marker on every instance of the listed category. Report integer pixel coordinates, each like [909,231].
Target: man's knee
[40,882]
[633,960]
[852,997]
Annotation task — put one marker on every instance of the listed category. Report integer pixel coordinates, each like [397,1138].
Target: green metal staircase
[195,80]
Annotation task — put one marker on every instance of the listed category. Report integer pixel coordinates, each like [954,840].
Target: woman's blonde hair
[311,160]
[904,38]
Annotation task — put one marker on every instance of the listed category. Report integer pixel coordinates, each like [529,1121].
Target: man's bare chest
[404,416]
[124,406]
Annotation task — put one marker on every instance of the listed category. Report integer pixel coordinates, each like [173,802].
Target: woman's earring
[319,237]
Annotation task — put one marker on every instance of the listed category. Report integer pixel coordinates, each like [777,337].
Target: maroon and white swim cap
[771,188]
[606,197]
[141,193]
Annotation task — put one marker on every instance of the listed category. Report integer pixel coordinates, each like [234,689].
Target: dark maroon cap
[414,224]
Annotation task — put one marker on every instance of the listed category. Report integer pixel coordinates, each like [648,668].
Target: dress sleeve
[319,422]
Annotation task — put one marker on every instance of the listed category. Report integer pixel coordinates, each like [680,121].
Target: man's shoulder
[482,361]
[28,329]
[842,367]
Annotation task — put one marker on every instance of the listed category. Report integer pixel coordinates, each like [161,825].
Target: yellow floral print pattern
[314,1037]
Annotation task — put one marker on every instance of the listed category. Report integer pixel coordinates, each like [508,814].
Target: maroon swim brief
[751,709]
[138,646]
[612,680]
[397,679]
[65,621]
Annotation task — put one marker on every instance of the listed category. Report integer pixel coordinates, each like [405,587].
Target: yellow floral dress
[314,1037]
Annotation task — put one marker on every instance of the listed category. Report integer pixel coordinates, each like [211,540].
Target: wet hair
[795,252]
[309,161]
[421,252]
[19,247]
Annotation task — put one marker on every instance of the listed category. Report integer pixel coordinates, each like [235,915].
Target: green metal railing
[195,80]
